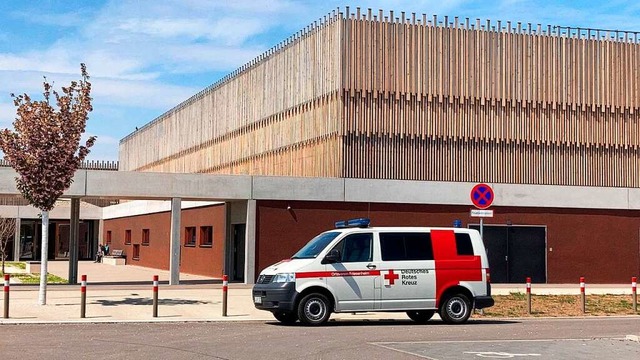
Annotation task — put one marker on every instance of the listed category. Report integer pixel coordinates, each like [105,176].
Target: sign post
[482,198]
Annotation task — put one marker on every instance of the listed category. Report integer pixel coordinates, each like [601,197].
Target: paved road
[593,338]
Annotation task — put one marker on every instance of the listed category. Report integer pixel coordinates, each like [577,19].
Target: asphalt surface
[190,325]
[592,338]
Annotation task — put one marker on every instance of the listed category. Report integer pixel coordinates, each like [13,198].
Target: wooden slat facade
[396,96]
[280,109]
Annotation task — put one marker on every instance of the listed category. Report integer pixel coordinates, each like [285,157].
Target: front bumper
[275,296]
[481,302]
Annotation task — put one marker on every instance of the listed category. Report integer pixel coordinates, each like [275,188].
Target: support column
[250,244]
[16,241]
[100,238]
[74,231]
[174,261]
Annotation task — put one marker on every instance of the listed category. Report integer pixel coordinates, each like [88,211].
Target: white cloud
[139,93]
[200,58]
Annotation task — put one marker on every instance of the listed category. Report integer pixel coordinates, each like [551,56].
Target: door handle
[371,266]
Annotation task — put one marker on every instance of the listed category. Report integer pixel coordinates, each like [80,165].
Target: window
[127,237]
[206,236]
[315,246]
[356,248]
[108,241]
[136,252]
[406,246]
[145,237]
[463,244]
[190,236]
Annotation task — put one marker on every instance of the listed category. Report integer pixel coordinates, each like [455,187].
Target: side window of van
[463,244]
[406,246]
[356,248]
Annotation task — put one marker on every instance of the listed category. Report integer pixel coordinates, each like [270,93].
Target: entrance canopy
[163,186]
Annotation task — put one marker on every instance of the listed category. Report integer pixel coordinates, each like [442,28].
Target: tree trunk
[44,254]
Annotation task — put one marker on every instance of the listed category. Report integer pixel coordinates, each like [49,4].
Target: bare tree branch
[7,231]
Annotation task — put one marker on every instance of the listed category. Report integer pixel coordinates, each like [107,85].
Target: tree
[7,231]
[45,149]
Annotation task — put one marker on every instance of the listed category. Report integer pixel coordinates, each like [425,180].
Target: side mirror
[332,257]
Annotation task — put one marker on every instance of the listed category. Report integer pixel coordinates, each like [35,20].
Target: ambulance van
[357,268]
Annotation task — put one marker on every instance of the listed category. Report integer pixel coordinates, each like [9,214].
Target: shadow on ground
[391,322]
[149,301]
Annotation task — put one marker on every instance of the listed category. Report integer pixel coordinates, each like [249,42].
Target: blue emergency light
[360,222]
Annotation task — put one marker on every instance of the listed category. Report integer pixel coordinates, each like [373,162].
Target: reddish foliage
[45,147]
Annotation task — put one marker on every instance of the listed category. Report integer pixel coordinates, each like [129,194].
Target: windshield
[315,246]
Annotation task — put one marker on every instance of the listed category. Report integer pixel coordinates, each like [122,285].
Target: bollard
[582,295]
[225,283]
[634,292]
[6,296]
[155,295]
[83,297]
[529,295]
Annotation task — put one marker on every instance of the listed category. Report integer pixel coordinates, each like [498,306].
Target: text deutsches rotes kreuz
[410,276]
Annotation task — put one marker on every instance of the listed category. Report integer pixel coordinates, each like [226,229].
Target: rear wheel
[455,309]
[314,309]
[286,317]
[420,316]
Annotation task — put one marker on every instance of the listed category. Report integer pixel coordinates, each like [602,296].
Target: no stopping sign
[482,196]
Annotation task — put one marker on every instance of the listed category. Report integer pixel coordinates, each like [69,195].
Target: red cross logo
[391,277]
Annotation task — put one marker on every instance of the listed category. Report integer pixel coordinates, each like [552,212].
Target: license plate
[257,299]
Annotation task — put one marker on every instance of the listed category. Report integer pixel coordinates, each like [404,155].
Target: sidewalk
[124,293]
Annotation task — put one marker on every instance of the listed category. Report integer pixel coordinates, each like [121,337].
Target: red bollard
[582,295]
[225,284]
[634,292]
[83,296]
[529,295]
[155,295]
[6,296]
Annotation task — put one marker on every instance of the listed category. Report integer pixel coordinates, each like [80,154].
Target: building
[25,245]
[400,102]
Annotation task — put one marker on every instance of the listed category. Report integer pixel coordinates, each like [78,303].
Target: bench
[115,257]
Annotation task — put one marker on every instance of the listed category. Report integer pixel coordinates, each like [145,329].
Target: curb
[534,318]
[635,338]
[149,321]
[269,318]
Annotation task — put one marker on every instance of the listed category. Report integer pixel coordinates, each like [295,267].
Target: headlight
[284,278]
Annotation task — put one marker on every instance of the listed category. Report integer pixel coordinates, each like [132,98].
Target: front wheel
[314,309]
[286,317]
[455,309]
[420,316]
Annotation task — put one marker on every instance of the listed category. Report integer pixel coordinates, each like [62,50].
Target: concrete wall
[61,211]
[144,207]
[207,187]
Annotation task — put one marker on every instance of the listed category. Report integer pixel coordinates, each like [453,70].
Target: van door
[407,272]
[352,279]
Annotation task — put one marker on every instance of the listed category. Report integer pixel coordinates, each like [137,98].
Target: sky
[146,56]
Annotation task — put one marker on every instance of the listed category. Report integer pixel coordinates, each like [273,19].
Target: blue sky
[146,56]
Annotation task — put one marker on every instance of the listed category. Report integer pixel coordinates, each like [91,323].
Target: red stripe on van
[319,274]
[452,268]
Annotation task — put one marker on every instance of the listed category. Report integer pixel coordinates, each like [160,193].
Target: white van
[357,268]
